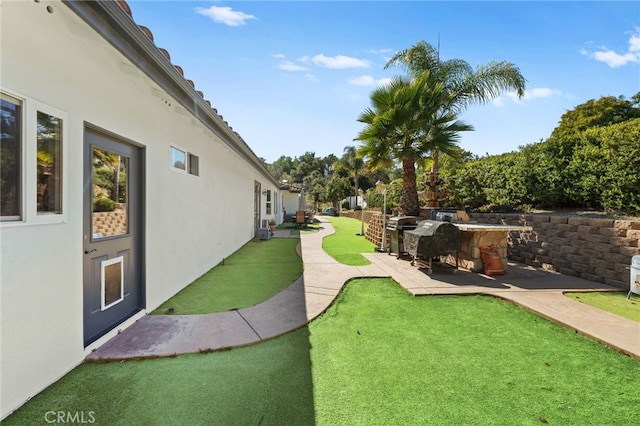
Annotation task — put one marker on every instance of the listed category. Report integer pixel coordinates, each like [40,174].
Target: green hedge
[595,168]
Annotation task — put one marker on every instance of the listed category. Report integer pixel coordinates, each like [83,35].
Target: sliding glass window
[10,158]
[49,164]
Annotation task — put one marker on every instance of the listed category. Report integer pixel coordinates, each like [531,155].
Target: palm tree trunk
[409,202]
[432,196]
[355,185]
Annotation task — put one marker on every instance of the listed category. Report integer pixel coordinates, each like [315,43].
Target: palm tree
[463,86]
[352,163]
[453,85]
[406,124]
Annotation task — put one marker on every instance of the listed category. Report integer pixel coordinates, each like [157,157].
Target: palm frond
[488,82]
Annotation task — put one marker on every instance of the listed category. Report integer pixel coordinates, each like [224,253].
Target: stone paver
[534,289]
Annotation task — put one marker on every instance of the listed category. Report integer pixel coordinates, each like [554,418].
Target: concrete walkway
[323,278]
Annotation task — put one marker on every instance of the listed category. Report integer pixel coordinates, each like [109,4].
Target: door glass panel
[110,195]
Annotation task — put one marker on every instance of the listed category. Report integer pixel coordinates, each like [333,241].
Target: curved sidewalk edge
[322,280]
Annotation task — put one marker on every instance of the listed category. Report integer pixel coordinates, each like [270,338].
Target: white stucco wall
[192,222]
[291,202]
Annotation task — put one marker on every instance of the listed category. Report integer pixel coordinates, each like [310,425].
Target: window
[49,164]
[193,164]
[268,201]
[177,158]
[32,173]
[110,194]
[183,161]
[10,158]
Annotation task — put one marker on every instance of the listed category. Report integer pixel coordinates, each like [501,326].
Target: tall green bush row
[598,167]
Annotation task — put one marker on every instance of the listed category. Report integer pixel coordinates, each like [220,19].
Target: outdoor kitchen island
[476,235]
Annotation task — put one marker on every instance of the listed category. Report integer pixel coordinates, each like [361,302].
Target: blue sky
[293,76]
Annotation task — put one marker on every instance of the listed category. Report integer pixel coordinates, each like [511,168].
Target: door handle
[89,251]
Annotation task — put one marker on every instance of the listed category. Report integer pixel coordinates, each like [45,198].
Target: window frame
[29,163]
[268,202]
[192,169]
[31,151]
[188,160]
[58,167]
[173,147]
[20,217]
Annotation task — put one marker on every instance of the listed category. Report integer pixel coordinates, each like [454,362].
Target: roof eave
[113,24]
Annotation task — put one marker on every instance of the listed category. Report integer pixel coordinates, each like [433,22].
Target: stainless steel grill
[432,238]
[396,227]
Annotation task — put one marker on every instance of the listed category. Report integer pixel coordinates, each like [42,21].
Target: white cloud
[278,56]
[541,92]
[615,59]
[225,15]
[290,66]
[362,80]
[367,80]
[339,62]
[634,43]
[499,102]
[380,51]
[535,93]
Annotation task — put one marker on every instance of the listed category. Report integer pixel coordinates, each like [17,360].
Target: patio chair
[301,220]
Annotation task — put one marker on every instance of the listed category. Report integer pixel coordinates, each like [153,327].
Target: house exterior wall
[290,202]
[191,222]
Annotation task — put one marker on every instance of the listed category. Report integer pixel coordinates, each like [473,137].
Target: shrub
[102,204]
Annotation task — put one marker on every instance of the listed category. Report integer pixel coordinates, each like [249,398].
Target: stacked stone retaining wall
[107,224]
[596,249]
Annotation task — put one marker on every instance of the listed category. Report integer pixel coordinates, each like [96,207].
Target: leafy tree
[604,168]
[540,173]
[281,168]
[606,111]
[596,167]
[310,172]
[328,164]
[464,185]
[305,164]
[314,185]
[337,188]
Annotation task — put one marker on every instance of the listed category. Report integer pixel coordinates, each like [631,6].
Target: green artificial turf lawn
[257,271]
[383,357]
[378,356]
[268,384]
[345,246]
[295,230]
[614,302]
